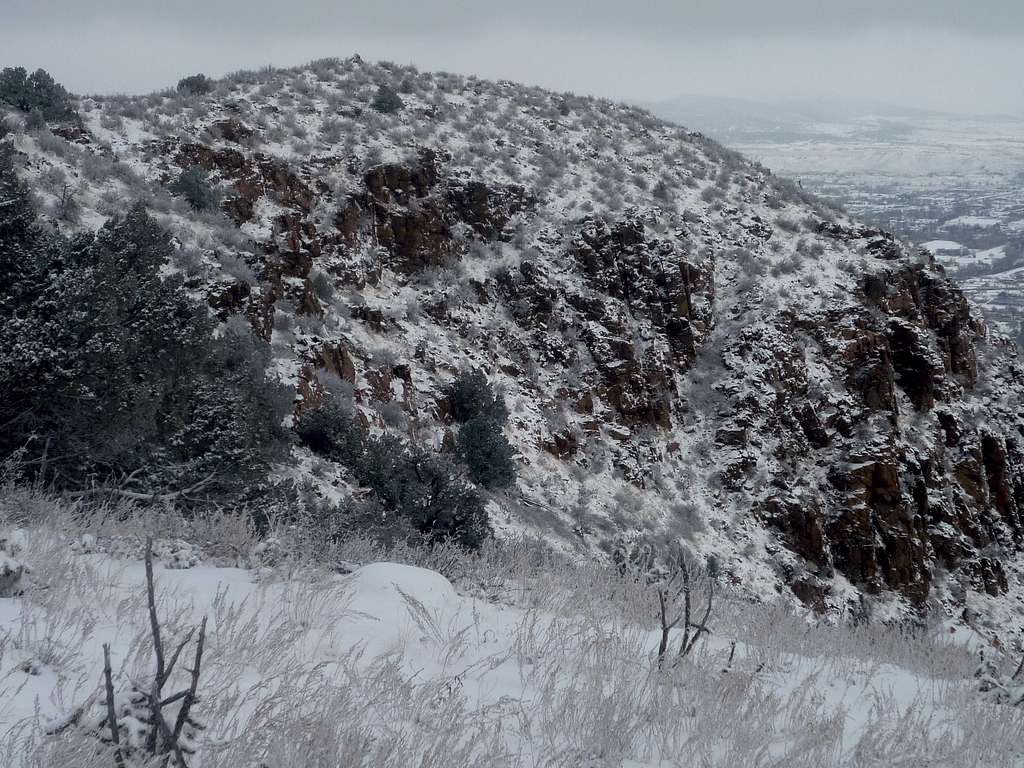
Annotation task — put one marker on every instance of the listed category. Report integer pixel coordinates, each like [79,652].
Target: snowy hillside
[511,658]
[688,346]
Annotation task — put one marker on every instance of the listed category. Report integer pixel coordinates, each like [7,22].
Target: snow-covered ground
[361,657]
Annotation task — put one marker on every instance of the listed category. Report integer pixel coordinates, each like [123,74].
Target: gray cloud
[671,19]
[947,54]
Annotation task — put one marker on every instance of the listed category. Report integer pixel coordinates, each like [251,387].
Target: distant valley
[951,183]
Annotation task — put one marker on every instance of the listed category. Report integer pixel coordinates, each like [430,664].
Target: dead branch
[111,711]
[161,739]
[147,497]
[679,587]
[177,653]
[1020,668]
[154,623]
[190,696]
[689,641]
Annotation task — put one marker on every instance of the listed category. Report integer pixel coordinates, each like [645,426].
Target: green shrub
[414,484]
[194,186]
[109,368]
[387,100]
[38,91]
[486,452]
[195,85]
[332,432]
[471,397]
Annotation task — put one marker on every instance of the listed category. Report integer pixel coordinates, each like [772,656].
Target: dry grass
[569,678]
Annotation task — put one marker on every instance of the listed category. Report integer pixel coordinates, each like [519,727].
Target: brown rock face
[800,522]
[651,276]
[893,475]
[232,130]
[251,178]
[410,212]
[230,298]
[336,359]
[875,540]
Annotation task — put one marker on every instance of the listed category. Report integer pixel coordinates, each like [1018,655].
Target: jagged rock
[799,520]
[73,132]
[1002,493]
[488,211]
[919,371]
[871,373]
[336,359]
[229,298]
[232,130]
[562,445]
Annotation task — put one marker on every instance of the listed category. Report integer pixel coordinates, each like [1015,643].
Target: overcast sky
[945,54]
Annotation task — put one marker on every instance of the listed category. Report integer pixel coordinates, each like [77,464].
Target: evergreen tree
[195,85]
[387,100]
[109,368]
[21,238]
[332,432]
[194,185]
[414,484]
[38,91]
[486,452]
[482,446]
[472,397]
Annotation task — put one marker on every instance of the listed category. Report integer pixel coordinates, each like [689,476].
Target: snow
[942,245]
[975,222]
[552,667]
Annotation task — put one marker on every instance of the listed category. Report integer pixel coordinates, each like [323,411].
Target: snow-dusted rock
[12,569]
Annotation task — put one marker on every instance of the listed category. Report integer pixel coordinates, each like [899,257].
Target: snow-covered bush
[487,453]
[194,186]
[472,396]
[195,85]
[37,92]
[199,401]
[387,101]
[998,686]
[12,569]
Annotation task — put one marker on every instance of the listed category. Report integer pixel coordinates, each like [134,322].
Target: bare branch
[175,655]
[139,496]
[154,623]
[190,697]
[1020,668]
[111,712]
[170,742]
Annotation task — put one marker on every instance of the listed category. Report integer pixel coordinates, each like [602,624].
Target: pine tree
[36,92]
[194,185]
[471,397]
[110,369]
[486,452]
[387,100]
[195,85]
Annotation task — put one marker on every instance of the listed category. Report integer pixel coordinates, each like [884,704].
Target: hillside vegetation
[674,345]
